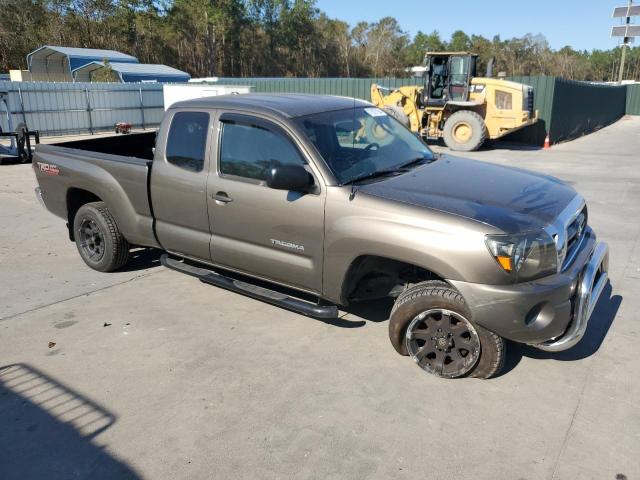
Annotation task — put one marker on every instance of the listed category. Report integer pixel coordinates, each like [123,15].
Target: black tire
[397,113]
[21,140]
[22,130]
[464,131]
[100,243]
[435,294]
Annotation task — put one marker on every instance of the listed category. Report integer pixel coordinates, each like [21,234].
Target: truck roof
[286,104]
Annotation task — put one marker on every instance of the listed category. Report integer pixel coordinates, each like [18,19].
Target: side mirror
[289,177]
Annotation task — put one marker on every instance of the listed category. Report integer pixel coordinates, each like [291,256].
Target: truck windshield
[358,143]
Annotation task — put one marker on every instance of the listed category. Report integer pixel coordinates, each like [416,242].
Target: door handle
[221,197]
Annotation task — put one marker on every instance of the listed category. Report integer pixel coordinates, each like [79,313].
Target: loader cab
[447,77]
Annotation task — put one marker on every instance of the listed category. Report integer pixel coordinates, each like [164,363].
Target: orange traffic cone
[547,143]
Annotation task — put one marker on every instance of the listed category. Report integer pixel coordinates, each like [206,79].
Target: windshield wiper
[415,162]
[379,173]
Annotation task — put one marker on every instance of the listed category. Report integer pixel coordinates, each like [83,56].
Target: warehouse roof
[132,72]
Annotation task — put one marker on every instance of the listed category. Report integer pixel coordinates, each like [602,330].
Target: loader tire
[398,114]
[432,323]
[98,238]
[464,131]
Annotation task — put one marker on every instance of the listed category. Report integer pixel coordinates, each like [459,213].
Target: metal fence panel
[347,87]
[567,109]
[543,93]
[71,108]
[633,99]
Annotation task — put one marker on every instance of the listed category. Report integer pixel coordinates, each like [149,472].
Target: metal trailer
[19,139]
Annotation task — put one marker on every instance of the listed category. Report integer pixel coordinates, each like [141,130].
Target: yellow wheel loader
[455,105]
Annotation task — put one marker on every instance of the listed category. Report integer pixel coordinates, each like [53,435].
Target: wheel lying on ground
[431,323]
[99,241]
[464,131]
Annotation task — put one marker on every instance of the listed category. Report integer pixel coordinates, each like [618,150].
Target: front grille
[568,231]
[575,234]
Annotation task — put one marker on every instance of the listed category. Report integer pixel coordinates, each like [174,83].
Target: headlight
[525,257]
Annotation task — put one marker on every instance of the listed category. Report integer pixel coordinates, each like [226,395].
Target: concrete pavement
[190,381]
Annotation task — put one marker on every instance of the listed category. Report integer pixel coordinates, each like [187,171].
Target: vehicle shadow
[47,430]
[511,146]
[599,325]
[377,310]
[7,160]
[342,322]
[142,259]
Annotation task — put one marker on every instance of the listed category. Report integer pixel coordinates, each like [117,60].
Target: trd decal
[48,168]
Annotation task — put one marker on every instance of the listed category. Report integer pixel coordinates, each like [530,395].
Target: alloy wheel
[443,342]
[91,240]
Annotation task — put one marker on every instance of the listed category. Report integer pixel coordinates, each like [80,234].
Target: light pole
[624,49]
[627,31]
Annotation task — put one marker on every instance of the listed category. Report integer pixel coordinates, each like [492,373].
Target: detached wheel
[464,131]
[432,324]
[99,241]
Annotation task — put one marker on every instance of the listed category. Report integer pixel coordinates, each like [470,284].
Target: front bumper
[591,284]
[551,313]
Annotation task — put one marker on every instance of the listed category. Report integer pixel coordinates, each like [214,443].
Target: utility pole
[624,49]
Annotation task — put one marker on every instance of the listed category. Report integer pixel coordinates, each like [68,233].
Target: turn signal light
[505,262]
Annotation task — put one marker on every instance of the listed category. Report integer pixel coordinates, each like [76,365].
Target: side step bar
[254,291]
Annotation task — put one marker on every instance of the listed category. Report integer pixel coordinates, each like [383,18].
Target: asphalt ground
[147,373]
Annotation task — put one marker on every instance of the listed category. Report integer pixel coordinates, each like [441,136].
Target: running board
[250,290]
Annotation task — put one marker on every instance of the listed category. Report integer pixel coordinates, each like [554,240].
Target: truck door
[179,183]
[274,234]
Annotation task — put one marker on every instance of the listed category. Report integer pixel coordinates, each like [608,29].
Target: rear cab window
[187,140]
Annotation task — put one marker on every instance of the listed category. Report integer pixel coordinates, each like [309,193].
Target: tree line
[250,38]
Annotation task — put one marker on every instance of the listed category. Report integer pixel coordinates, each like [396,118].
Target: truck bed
[138,145]
[111,169]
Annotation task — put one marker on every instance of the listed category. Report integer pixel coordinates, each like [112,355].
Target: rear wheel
[100,243]
[431,323]
[464,131]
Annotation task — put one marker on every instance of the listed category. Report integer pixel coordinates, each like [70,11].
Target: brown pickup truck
[312,202]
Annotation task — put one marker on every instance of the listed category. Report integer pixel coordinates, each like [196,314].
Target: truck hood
[510,199]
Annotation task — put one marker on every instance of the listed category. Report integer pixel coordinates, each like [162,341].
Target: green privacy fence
[567,109]
[633,99]
[348,87]
[543,97]
[580,108]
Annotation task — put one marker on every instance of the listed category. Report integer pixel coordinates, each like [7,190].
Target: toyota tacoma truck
[314,202]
